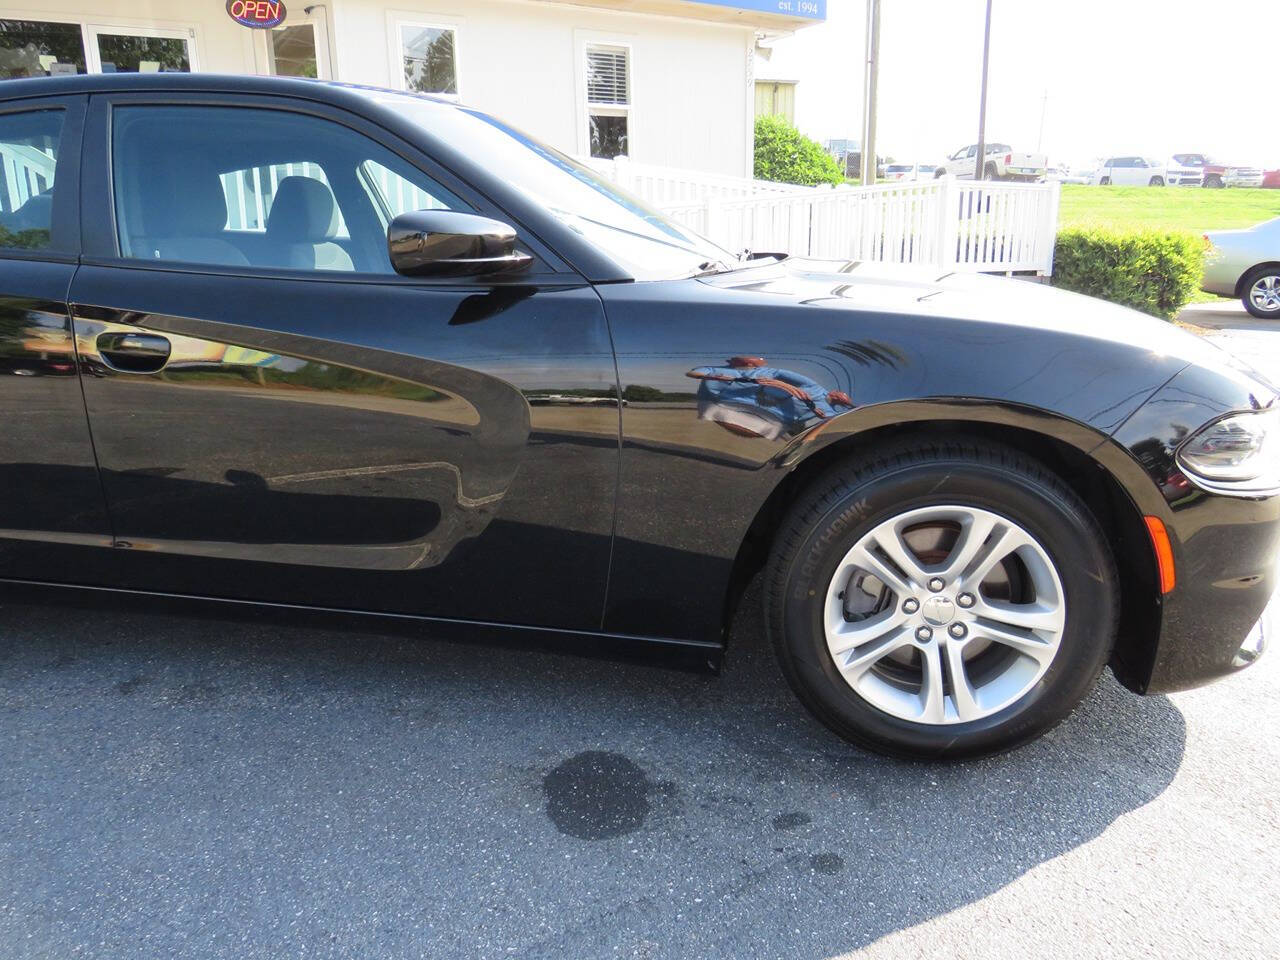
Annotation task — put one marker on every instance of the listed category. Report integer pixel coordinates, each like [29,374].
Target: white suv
[1130,172]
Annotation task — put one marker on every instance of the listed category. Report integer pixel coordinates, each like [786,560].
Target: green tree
[786,155]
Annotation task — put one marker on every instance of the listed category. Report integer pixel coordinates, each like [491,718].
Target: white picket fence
[979,227]
[25,172]
[249,193]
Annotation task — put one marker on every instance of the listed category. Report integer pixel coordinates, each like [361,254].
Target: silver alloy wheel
[1265,293]
[956,653]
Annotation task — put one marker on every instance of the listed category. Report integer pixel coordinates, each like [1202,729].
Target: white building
[666,82]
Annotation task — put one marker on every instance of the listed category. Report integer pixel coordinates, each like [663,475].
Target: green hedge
[1152,271]
[786,155]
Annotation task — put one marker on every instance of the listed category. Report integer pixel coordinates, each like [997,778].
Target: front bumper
[1224,608]
[1225,548]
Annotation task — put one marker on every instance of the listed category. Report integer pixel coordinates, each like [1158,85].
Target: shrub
[786,155]
[1153,271]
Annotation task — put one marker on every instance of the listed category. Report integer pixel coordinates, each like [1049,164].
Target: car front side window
[260,188]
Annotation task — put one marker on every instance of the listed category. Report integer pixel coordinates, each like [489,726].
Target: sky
[1149,77]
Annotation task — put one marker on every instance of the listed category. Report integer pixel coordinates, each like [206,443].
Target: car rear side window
[28,156]
[253,187]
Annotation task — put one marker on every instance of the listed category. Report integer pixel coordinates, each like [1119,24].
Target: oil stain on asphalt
[597,795]
[790,821]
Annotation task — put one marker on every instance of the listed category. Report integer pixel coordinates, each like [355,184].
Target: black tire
[990,171]
[1214,182]
[939,173]
[1156,182]
[1252,277]
[1105,182]
[850,499]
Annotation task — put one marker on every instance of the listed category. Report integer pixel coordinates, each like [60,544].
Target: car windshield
[641,240]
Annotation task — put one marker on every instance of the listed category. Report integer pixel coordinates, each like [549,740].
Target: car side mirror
[446,243]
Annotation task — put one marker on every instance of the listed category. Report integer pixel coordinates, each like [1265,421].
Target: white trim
[749,109]
[582,39]
[427,21]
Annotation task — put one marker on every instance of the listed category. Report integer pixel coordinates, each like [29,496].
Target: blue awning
[805,9]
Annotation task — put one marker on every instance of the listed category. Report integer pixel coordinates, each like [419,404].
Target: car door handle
[134,352]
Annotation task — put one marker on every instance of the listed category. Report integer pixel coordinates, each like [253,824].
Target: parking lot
[175,787]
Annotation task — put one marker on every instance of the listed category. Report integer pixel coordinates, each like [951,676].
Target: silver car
[1246,264]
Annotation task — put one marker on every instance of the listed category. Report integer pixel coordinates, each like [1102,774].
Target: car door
[1134,172]
[280,417]
[53,525]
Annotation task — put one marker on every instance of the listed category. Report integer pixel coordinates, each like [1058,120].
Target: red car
[1271,178]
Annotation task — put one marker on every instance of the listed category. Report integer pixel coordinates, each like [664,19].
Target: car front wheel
[941,600]
[1262,293]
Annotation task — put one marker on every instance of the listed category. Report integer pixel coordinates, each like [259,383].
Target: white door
[114,49]
[964,166]
[1134,173]
[298,48]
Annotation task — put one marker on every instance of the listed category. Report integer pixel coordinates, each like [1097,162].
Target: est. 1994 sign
[259,14]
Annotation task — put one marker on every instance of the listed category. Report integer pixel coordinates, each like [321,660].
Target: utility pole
[870,80]
[980,161]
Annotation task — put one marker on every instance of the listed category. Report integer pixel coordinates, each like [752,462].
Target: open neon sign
[259,14]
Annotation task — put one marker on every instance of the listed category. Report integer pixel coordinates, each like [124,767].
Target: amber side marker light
[1164,552]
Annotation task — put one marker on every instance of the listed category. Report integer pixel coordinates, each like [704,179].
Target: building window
[37,48]
[130,50]
[429,58]
[608,100]
[291,50]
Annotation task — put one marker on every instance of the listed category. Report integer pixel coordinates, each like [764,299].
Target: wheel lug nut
[957,630]
[924,633]
[910,605]
[936,584]
[965,600]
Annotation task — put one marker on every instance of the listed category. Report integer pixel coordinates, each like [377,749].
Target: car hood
[923,292]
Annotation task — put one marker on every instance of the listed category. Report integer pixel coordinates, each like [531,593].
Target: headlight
[1238,454]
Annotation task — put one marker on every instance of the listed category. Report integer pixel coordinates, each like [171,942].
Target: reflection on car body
[747,396]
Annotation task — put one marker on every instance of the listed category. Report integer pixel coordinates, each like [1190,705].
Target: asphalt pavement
[174,787]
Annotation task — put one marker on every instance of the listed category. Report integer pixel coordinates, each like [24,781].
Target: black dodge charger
[301,345]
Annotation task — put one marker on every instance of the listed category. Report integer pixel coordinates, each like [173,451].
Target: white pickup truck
[1001,164]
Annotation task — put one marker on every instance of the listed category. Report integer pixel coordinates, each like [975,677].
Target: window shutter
[607,75]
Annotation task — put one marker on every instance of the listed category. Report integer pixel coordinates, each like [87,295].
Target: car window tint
[28,155]
[251,187]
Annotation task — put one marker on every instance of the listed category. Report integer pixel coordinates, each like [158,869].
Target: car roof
[328,91]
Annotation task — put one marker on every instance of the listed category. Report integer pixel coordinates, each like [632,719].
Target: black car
[313,346]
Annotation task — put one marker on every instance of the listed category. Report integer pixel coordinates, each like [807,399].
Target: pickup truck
[1001,164]
[1216,174]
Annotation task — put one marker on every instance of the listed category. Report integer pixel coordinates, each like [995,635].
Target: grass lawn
[1194,209]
